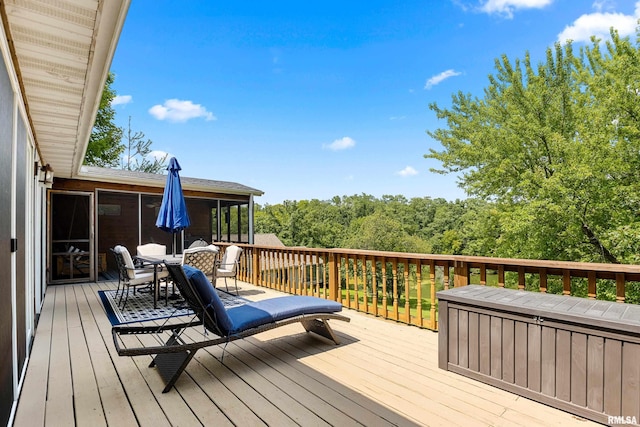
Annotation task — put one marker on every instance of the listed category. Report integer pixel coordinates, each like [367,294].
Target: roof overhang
[62,52]
[120,176]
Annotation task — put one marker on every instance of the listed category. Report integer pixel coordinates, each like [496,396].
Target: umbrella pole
[173,288]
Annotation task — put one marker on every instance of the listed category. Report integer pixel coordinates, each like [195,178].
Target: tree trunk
[608,256]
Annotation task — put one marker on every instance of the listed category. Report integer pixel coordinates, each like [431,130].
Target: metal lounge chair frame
[172,357]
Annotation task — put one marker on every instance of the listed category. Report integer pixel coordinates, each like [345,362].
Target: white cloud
[598,24]
[340,144]
[176,110]
[439,78]
[507,7]
[121,100]
[158,155]
[408,171]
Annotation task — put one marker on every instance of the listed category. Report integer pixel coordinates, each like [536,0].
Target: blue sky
[310,100]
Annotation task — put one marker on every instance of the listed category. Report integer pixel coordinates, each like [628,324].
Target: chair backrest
[122,270]
[127,261]
[201,297]
[198,243]
[152,249]
[230,258]
[202,258]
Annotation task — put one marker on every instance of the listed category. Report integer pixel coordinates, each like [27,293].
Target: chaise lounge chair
[172,357]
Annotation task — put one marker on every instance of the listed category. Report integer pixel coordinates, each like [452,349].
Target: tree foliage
[104,148]
[556,148]
[392,223]
[138,156]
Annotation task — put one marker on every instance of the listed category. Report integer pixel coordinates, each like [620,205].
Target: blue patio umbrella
[173,216]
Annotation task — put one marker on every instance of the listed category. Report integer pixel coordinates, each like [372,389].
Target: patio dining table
[157,262]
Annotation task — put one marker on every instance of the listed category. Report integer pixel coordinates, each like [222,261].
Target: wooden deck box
[575,354]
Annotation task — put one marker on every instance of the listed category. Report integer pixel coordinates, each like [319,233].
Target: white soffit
[63,51]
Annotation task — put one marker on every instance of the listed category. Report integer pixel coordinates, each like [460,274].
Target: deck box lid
[595,313]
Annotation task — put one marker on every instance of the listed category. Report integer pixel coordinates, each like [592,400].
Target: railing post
[592,292]
[255,266]
[620,287]
[460,274]
[333,277]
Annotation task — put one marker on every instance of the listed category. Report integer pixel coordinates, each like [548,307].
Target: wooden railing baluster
[419,293]
[407,292]
[394,266]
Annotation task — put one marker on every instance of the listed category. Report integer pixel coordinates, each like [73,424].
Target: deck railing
[402,286]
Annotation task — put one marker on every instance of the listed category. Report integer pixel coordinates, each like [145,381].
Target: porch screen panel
[238,222]
[149,233]
[6,307]
[117,224]
[202,222]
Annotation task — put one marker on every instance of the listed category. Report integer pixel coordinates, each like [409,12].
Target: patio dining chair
[132,277]
[155,250]
[199,243]
[204,259]
[152,249]
[228,267]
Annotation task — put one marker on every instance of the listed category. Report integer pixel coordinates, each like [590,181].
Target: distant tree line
[390,223]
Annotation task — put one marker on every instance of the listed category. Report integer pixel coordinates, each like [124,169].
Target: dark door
[71,237]
[6,307]
[21,239]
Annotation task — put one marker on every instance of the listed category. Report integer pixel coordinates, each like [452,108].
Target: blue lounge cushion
[257,313]
[288,306]
[209,297]
[270,310]
[247,316]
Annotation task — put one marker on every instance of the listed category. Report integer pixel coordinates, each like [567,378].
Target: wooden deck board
[59,406]
[383,373]
[32,408]
[141,399]
[115,404]
[87,405]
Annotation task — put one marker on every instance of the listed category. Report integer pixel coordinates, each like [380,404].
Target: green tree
[381,232]
[104,148]
[556,147]
[137,153]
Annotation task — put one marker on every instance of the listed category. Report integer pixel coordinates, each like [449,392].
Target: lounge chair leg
[320,327]
[171,365]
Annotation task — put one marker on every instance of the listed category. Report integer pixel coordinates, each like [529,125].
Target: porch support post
[251,230]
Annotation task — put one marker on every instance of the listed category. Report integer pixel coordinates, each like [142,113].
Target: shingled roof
[94,173]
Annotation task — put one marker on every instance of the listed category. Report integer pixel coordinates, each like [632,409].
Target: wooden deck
[383,373]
